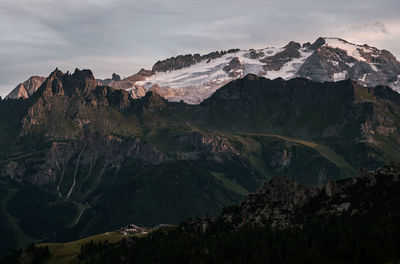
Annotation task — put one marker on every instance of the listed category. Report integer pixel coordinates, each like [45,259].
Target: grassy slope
[248,141]
[253,150]
[231,185]
[66,253]
[326,152]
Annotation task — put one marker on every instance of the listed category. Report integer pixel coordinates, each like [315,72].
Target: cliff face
[277,61]
[185,61]
[65,103]
[74,169]
[27,88]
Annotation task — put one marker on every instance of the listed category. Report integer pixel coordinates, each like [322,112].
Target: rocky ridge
[283,203]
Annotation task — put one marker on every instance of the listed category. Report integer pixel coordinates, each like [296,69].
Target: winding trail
[79,217]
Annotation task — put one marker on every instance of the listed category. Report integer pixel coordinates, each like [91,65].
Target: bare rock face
[116,77]
[27,88]
[338,59]
[324,63]
[176,63]
[81,82]
[128,83]
[199,144]
[91,157]
[140,76]
[60,92]
[318,43]
[234,67]
[276,62]
[256,54]
[165,92]
[281,159]
[107,96]
[151,102]
[13,170]
[387,64]
[368,74]
[138,91]
[184,61]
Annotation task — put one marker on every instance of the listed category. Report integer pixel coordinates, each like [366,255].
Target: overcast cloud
[122,36]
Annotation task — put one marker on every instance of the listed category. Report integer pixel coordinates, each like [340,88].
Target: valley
[283,221]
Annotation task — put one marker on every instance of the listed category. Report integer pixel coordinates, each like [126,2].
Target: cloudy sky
[122,36]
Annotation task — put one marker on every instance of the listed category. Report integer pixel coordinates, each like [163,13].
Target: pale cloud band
[122,36]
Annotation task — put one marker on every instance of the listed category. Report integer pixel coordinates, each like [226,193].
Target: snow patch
[373,66]
[396,85]
[290,69]
[339,76]
[201,80]
[351,49]
[363,78]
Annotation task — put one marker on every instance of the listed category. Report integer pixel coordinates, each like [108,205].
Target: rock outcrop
[60,92]
[288,53]
[116,77]
[81,82]
[184,61]
[27,88]
[275,204]
[234,68]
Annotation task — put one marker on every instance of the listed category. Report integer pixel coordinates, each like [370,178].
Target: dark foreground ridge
[282,203]
[345,221]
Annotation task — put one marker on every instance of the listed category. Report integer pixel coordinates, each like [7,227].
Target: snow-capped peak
[327,59]
[197,82]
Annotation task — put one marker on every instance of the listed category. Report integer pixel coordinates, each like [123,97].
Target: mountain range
[80,156]
[193,78]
